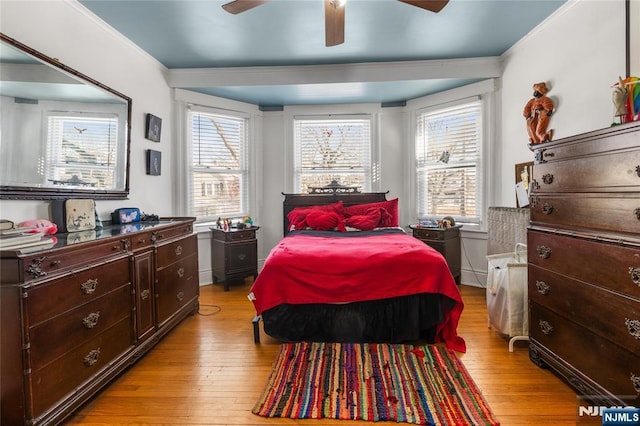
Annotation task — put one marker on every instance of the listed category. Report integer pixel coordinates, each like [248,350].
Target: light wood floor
[208,371]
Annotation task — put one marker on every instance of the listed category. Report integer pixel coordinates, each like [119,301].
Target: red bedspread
[330,268]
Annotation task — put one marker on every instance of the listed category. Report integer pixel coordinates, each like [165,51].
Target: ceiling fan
[333,14]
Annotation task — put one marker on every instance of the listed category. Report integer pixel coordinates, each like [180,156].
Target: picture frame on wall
[154,162]
[153,128]
[524,172]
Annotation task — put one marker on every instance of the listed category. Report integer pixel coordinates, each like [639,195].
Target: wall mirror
[63,134]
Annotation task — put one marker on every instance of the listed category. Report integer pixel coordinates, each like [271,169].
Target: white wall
[65,30]
[580,53]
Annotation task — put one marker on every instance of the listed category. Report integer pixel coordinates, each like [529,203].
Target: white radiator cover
[507,226]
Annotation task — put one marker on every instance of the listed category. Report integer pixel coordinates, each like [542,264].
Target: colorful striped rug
[374,382]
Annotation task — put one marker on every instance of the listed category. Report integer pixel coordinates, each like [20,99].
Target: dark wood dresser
[447,242]
[584,263]
[76,315]
[234,254]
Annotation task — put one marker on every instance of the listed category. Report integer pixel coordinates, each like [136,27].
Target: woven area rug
[375,382]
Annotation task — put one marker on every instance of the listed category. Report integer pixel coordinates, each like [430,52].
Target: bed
[350,281]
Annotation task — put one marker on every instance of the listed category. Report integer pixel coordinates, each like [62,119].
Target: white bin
[507,294]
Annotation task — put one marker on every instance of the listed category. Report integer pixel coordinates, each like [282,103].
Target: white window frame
[243,170]
[367,167]
[54,122]
[485,91]
[183,155]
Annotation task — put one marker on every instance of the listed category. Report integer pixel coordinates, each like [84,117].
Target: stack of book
[24,240]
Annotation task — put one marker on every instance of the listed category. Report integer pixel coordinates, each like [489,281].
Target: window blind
[448,154]
[332,148]
[82,151]
[219,172]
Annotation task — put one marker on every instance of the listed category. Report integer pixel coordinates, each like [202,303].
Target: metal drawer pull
[178,250]
[89,286]
[144,295]
[635,380]
[543,251]
[637,213]
[635,275]
[634,327]
[638,171]
[547,178]
[56,263]
[91,320]
[242,256]
[543,288]
[91,358]
[180,296]
[545,327]
[181,272]
[547,208]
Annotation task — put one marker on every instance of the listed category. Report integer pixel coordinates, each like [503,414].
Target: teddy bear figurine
[537,112]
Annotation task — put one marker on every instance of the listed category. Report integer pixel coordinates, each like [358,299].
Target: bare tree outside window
[219,166]
[448,154]
[332,149]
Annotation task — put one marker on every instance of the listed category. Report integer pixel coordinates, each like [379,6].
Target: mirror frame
[51,193]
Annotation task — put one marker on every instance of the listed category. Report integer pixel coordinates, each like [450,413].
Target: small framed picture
[154,162]
[153,128]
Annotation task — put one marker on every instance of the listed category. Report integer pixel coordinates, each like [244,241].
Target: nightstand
[234,254]
[447,242]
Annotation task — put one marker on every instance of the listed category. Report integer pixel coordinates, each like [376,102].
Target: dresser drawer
[53,338]
[57,296]
[610,171]
[177,285]
[71,257]
[605,212]
[436,234]
[607,265]
[249,234]
[622,139]
[617,318]
[170,232]
[241,257]
[141,240]
[169,253]
[614,368]
[61,377]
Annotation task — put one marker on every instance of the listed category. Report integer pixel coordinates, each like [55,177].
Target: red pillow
[297,216]
[319,220]
[391,206]
[365,222]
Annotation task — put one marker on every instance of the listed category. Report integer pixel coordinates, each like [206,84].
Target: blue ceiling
[284,36]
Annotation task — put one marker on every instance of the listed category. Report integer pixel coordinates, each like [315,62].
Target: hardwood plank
[208,371]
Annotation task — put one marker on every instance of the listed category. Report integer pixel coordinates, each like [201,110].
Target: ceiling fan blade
[333,22]
[430,5]
[239,6]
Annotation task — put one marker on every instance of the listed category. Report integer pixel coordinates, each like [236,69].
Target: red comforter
[331,267]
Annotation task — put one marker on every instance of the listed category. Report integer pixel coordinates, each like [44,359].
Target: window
[332,148]
[219,171]
[82,151]
[448,154]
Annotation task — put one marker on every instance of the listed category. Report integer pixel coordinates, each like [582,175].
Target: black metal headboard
[291,201]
